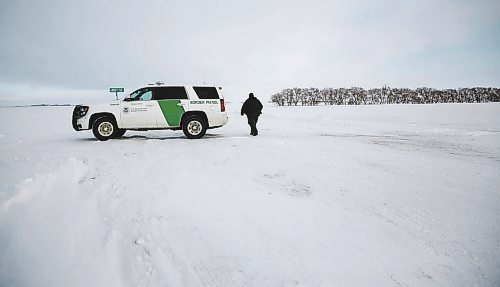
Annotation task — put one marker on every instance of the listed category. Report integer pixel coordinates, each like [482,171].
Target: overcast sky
[73,51]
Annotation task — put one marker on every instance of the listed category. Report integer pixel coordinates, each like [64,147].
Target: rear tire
[194,127]
[119,133]
[104,128]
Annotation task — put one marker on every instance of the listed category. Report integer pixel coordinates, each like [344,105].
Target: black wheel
[119,133]
[194,127]
[104,128]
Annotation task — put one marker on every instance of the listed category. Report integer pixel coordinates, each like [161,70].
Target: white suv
[194,109]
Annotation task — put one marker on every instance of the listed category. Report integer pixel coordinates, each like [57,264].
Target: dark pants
[252,122]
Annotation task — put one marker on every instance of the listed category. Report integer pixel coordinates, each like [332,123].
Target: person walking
[252,107]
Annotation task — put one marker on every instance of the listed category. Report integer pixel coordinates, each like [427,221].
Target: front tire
[104,128]
[194,127]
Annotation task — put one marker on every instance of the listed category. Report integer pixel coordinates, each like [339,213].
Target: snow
[393,195]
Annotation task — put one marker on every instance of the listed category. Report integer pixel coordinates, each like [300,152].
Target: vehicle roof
[180,85]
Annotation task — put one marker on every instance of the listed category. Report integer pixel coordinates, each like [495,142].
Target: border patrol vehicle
[194,109]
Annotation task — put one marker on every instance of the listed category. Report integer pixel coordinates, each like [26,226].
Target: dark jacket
[252,107]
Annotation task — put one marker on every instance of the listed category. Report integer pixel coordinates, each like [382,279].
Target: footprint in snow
[298,190]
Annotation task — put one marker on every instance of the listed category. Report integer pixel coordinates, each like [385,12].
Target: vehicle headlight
[83,111]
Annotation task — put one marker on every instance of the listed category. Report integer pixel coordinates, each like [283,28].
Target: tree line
[384,95]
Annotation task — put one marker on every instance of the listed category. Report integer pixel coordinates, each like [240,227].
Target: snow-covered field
[404,195]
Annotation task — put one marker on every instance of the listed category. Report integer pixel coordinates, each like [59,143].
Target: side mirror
[128,99]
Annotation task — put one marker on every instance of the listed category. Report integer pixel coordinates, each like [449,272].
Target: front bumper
[80,120]
[75,117]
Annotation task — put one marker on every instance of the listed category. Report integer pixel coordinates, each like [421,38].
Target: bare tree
[384,95]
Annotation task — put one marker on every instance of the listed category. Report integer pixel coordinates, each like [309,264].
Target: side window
[171,93]
[145,94]
[206,93]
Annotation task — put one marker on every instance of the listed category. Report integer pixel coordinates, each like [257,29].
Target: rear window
[206,93]
[171,93]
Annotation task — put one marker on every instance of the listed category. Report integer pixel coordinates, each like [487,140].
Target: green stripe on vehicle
[172,111]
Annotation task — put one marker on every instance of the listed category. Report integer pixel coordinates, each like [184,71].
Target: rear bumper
[217,120]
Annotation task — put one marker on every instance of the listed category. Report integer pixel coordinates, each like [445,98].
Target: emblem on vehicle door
[125,109]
